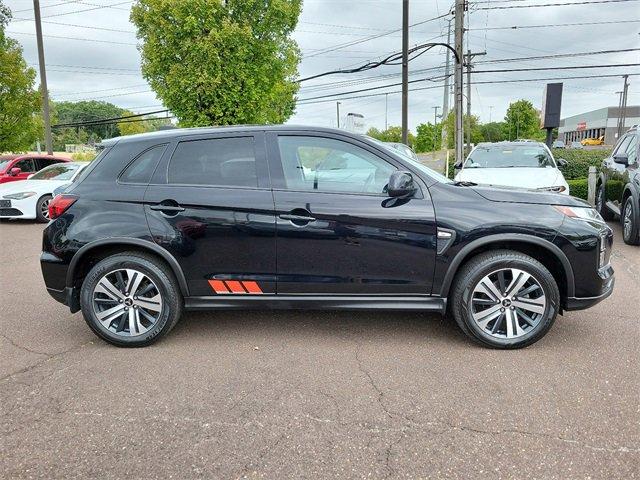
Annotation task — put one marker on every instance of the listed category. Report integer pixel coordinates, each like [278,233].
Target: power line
[504,7]
[576,67]
[577,24]
[125,117]
[559,55]
[75,38]
[75,11]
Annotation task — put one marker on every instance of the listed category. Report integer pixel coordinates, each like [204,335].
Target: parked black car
[618,191]
[297,217]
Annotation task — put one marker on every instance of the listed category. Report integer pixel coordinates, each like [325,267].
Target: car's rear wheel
[505,299]
[130,299]
[42,209]
[630,222]
[601,206]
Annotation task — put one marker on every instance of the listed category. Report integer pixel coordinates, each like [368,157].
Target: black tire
[484,264]
[631,235]
[42,202]
[163,278]
[601,204]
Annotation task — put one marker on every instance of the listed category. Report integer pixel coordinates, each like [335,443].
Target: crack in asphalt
[22,347]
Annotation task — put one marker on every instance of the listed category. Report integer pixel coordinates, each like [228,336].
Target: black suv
[298,217]
[618,191]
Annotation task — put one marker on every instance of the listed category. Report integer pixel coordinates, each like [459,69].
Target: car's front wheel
[42,209]
[601,206]
[630,222]
[505,299]
[130,299]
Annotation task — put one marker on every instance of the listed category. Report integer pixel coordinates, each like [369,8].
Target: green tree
[84,111]
[391,134]
[220,62]
[469,122]
[493,132]
[147,125]
[428,137]
[522,121]
[20,121]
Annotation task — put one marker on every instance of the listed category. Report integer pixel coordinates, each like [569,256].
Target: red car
[19,167]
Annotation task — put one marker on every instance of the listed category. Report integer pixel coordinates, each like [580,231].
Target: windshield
[59,171]
[508,156]
[419,166]
[4,162]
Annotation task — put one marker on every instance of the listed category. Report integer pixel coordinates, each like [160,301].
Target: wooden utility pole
[338,114]
[457,80]
[435,126]
[43,80]
[447,83]
[405,72]
[468,57]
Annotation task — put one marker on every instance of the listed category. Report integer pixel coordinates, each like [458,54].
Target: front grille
[10,212]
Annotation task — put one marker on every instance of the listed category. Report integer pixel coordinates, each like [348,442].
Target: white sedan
[517,164]
[29,199]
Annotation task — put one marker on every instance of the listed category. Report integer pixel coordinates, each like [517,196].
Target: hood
[40,186]
[521,195]
[521,177]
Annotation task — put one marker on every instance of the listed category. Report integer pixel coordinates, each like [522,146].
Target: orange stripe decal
[252,287]
[234,286]
[218,286]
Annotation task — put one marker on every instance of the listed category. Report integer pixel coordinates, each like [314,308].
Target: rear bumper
[67,296]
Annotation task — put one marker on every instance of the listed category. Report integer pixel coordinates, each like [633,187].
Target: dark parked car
[618,190]
[246,218]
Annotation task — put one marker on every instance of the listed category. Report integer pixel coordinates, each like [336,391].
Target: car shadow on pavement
[307,325]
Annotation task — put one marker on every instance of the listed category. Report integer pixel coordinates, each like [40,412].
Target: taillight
[59,204]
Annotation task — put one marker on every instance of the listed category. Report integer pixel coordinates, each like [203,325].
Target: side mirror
[15,171]
[401,184]
[457,166]
[622,159]
[562,162]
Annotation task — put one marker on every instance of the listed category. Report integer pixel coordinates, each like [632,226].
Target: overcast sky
[105,64]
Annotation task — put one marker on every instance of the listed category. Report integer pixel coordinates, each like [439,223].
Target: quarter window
[142,168]
[227,162]
[328,165]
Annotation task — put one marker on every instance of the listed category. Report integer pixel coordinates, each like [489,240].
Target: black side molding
[317,302]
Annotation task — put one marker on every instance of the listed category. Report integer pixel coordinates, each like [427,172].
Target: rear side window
[142,168]
[26,165]
[225,162]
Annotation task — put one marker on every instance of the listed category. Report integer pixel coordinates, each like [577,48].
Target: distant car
[18,167]
[403,149]
[576,145]
[30,199]
[527,165]
[558,144]
[618,190]
[593,141]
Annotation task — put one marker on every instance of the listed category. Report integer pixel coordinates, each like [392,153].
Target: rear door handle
[167,208]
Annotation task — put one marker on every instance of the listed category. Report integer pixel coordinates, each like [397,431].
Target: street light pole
[435,126]
[405,72]
[338,114]
[386,111]
[457,80]
[43,80]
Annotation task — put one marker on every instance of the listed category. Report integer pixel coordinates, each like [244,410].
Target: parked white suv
[518,164]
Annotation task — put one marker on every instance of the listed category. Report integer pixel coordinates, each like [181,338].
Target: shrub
[579,188]
[83,156]
[614,189]
[579,161]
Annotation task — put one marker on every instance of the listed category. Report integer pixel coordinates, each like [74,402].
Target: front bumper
[581,303]
[17,209]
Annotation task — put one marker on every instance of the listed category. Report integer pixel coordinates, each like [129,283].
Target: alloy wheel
[508,303]
[127,302]
[628,225]
[44,208]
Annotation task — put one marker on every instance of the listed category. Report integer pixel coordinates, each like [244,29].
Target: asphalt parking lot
[313,394]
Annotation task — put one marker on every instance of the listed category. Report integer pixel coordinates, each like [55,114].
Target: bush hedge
[578,188]
[579,161]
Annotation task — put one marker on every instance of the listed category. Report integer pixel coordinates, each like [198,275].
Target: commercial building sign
[582,126]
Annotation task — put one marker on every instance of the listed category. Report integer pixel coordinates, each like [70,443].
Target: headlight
[554,189]
[19,196]
[580,213]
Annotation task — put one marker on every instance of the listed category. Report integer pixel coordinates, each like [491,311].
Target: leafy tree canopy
[428,138]
[143,126]
[391,134]
[20,121]
[469,122]
[84,111]
[522,121]
[220,62]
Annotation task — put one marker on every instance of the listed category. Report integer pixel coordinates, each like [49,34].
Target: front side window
[226,162]
[622,145]
[26,165]
[509,156]
[328,165]
[632,150]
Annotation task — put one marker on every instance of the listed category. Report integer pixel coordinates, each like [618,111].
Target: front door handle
[297,218]
[167,209]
